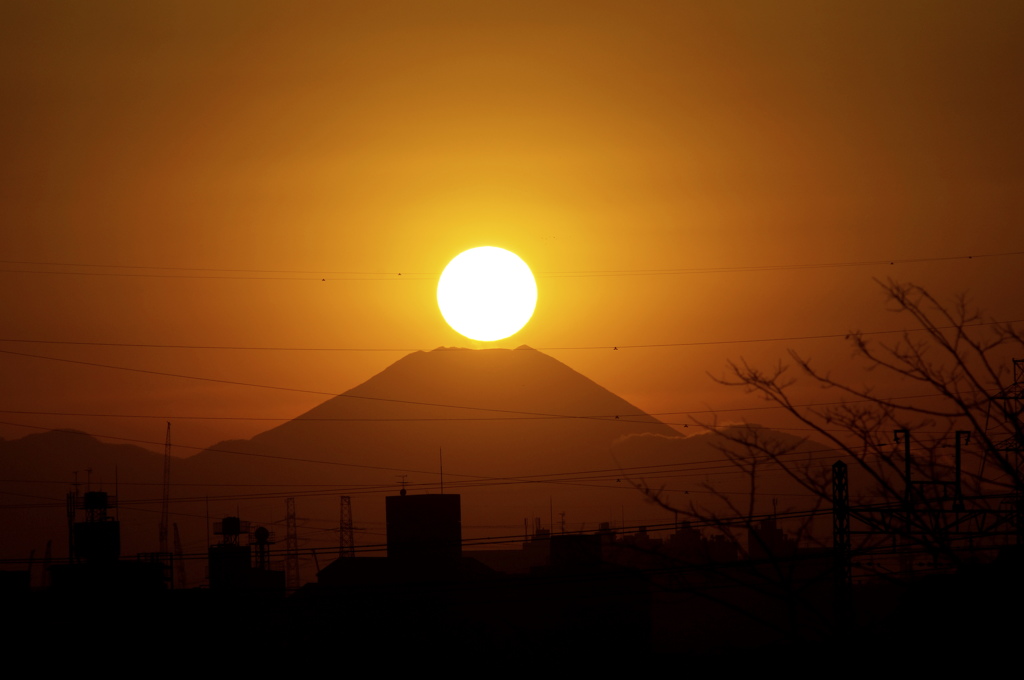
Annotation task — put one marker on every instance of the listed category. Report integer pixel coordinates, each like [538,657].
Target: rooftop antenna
[402,492]
[440,457]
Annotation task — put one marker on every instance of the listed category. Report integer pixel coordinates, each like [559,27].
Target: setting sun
[487,293]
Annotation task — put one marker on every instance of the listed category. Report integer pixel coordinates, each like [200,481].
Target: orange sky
[353,142]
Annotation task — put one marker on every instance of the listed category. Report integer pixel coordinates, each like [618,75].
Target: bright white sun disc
[487,293]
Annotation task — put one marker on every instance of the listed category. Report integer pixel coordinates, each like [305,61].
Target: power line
[577,478]
[237,453]
[573,477]
[778,267]
[696,343]
[220,347]
[209,269]
[608,417]
[312,274]
[542,478]
[693,468]
[829,336]
[612,418]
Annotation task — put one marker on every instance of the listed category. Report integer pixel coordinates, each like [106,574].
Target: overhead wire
[523,414]
[576,478]
[312,274]
[624,418]
[696,343]
[515,414]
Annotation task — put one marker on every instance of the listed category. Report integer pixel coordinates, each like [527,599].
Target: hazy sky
[258,174]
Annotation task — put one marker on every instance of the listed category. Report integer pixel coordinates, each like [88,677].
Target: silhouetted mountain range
[520,435]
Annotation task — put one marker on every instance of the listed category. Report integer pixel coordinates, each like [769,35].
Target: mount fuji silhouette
[515,431]
[492,412]
[518,434]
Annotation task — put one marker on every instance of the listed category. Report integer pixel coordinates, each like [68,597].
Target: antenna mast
[165,508]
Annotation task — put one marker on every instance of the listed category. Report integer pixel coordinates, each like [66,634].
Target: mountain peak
[500,407]
[488,379]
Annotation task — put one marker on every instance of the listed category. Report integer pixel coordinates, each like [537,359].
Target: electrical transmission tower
[932,516]
[179,561]
[346,542]
[291,563]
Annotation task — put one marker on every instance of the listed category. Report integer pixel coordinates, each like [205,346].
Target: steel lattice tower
[291,563]
[346,542]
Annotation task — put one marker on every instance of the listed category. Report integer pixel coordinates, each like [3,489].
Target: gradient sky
[255,174]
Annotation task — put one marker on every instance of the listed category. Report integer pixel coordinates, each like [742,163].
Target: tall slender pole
[958,496]
[906,462]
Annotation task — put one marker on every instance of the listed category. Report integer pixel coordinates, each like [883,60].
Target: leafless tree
[955,372]
[954,376]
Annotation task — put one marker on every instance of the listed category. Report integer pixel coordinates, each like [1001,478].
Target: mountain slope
[490,412]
